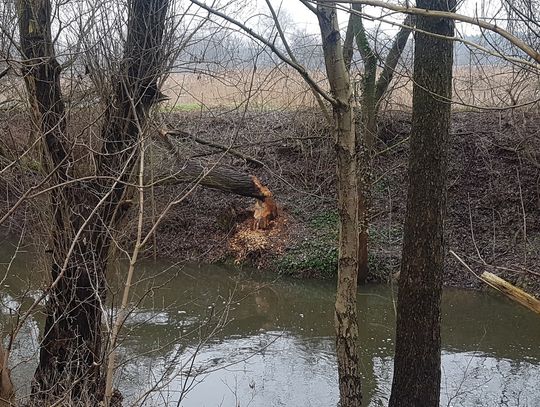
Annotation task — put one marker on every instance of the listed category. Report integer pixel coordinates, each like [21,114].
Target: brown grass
[283,88]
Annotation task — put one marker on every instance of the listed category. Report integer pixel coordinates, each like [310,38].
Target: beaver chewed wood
[225,179]
[266,209]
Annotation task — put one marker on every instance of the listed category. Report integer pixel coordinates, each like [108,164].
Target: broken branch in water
[503,286]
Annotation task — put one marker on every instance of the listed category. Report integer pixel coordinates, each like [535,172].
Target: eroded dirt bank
[493,195]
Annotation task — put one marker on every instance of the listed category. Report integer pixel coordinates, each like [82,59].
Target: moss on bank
[317,253]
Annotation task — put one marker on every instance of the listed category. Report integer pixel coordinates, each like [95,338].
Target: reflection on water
[218,336]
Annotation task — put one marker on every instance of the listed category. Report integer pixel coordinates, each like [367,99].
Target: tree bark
[373,89]
[369,119]
[371,95]
[417,364]
[223,179]
[346,323]
[220,178]
[84,215]
[7,390]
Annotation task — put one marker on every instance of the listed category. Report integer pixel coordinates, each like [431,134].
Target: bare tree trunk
[417,365]
[71,354]
[346,322]
[373,89]
[220,178]
[368,103]
[372,92]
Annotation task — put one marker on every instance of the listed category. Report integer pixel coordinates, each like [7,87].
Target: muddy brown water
[208,336]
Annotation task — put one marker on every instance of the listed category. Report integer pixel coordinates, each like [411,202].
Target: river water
[220,336]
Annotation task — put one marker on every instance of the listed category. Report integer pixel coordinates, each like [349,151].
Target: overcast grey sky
[305,19]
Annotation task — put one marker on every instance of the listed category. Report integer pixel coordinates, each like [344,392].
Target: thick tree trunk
[216,177]
[71,354]
[417,365]
[231,181]
[220,178]
[346,322]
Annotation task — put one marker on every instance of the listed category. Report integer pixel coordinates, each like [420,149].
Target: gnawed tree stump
[225,179]
[266,209]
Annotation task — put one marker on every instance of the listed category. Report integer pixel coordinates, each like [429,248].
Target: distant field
[265,89]
[284,88]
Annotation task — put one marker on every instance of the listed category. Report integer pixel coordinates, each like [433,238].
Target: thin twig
[229,150]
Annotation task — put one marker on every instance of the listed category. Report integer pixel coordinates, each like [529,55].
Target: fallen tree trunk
[218,177]
[223,179]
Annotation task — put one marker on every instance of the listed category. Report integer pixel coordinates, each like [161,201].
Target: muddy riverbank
[493,195]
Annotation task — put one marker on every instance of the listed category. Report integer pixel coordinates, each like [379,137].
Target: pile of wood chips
[248,244]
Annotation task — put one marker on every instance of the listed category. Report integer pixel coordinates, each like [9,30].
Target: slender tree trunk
[368,102]
[346,322]
[373,89]
[392,59]
[372,92]
[84,216]
[417,365]
[365,140]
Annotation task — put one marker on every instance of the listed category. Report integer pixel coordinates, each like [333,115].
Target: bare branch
[229,150]
[316,94]
[393,57]
[451,15]
[299,68]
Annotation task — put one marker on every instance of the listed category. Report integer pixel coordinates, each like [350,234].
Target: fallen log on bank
[225,179]
[503,286]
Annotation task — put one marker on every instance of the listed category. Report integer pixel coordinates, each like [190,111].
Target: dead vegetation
[494,86]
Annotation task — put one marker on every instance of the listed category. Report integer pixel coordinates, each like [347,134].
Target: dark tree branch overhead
[517,60]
